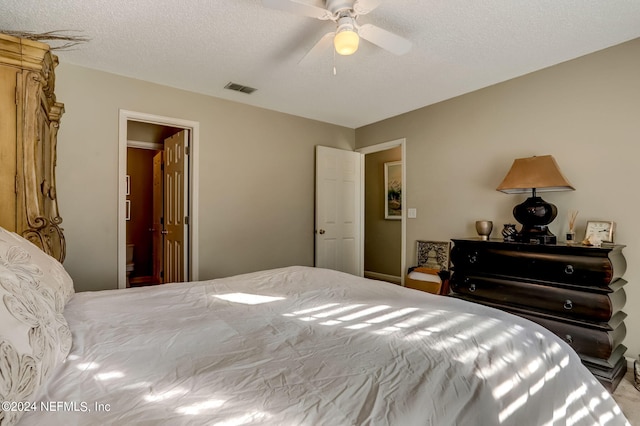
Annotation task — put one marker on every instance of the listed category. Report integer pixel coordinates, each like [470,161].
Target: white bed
[306,346]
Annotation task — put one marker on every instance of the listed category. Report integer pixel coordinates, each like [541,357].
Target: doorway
[141,147]
[386,152]
[382,216]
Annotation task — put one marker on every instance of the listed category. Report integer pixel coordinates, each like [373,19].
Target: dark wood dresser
[573,290]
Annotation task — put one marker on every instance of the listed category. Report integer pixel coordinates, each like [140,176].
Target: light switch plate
[412,213]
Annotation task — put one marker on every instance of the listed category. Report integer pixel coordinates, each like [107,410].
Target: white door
[338,219]
[175,208]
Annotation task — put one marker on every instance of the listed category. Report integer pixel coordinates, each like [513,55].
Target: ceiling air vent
[239,88]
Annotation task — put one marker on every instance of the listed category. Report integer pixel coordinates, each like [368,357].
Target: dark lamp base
[535,214]
[536,239]
[538,234]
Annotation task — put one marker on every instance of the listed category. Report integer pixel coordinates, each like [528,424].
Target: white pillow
[53,275]
[34,336]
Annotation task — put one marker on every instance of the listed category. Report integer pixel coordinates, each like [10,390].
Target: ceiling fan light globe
[346,42]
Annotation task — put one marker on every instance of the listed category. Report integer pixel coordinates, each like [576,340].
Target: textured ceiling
[201,45]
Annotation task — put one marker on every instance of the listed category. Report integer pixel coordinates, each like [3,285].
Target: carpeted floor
[628,398]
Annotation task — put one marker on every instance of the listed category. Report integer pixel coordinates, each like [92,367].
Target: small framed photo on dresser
[602,229]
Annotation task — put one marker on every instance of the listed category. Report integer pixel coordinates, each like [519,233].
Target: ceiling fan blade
[385,39]
[362,7]
[319,48]
[292,6]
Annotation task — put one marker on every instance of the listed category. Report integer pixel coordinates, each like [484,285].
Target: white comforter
[305,346]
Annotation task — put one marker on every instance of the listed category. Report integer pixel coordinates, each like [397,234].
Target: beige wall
[256,166]
[256,176]
[382,237]
[586,113]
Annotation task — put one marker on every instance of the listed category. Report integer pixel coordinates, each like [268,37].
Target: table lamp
[535,174]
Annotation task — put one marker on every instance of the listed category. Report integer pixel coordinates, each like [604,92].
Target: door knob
[322,231]
[164,231]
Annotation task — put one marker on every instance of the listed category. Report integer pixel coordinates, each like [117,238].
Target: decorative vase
[509,232]
[484,228]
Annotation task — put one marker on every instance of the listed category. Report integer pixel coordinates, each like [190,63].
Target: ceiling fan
[346,37]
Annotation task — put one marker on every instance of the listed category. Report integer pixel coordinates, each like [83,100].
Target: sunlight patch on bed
[513,407]
[484,344]
[410,322]
[331,322]
[561,412]
[577,416]
[524,374]
[434,328]
[200,407]
[358,326]
[605,418]
[83,366]
[138,385]
[416,320]
[450,322]
[519,379]
[499,365]
[338,311]
[247,299]
[249,418]
[391,315]
[406,317]
[606,396]
[369,311]
[464,334]
[382,318]
[310,310]
[108,376]
[161,396]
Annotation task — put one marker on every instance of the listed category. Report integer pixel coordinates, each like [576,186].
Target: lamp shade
[540,173]
[346,42]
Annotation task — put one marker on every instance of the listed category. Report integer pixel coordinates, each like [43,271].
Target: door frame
[370,150]
[194,132]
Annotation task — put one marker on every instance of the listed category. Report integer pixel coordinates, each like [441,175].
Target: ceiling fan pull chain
[334,62]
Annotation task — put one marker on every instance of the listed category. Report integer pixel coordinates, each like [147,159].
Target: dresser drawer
[565,265]
[581,305]
[587,342]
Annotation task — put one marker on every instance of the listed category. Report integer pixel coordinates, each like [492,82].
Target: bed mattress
[307,346]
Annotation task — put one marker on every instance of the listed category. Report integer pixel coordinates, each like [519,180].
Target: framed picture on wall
[393,190]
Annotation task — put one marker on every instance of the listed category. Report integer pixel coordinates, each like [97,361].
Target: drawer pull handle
[473,258]
[568,269]
[568,338]
[568,304]
[472,288]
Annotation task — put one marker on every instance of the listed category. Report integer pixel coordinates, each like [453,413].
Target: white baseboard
[382,277]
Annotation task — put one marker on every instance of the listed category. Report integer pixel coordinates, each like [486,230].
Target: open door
[175,208]
[338,216]
[158,211]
